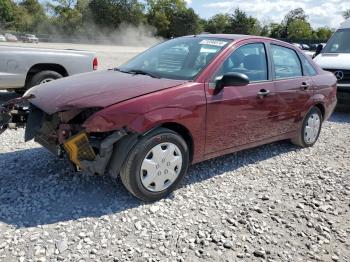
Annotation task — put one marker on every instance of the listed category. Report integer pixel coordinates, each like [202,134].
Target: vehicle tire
[310,130]
[43,77]
[156,165]
[20,91]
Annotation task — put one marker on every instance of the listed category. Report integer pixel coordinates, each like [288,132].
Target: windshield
[339,43]
[179,58]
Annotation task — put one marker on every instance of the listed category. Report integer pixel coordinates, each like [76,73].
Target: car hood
[95,89]
[333,61]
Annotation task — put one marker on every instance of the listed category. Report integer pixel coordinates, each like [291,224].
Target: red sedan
[183,101]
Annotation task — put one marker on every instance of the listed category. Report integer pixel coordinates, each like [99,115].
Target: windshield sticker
[213,42]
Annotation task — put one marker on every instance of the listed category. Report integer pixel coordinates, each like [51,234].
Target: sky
[320,12]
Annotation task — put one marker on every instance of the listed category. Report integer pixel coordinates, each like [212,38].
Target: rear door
[293,88]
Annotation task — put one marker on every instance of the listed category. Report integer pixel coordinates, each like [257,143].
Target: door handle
[304,86]
[263,92]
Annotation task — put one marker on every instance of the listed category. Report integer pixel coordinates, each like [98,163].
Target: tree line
[170,18]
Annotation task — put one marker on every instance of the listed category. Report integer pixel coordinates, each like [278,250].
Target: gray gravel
[273,203]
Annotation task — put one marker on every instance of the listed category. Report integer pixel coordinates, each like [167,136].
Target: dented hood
[95,89]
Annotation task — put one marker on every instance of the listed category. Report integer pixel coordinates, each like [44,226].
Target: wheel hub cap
[161,167]
[46,80]
[312,128]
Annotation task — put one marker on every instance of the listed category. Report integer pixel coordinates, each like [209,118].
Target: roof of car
[236,37]
[226,36]
[229,36]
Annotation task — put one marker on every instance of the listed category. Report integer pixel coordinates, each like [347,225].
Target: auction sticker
[213,42]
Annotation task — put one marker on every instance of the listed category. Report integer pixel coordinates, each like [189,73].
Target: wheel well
[43,67]
[322,109]
[184,132]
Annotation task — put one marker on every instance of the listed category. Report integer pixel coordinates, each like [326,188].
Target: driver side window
[250,60]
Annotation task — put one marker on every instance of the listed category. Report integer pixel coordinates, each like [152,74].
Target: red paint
[230,120]
[96,89]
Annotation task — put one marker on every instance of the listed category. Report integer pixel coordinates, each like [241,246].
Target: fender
[106,121]
[109,120]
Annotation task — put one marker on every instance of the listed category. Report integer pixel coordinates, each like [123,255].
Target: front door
[238,115]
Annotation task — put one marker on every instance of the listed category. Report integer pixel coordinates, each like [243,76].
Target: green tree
[110,14]
[346,14]
[30,16]
[299,29]
[265,30]
[160,14]
[324,33]
[184,22]
[295,14]
[218,24]
[172,18]
[291,16]
[241,23]
[276,30]
[66,19]
[7,13]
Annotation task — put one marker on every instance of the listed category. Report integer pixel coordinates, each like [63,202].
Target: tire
[20,91]
[40,77]
[308,129]
[143,183]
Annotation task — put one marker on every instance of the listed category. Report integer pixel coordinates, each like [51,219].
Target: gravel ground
[108,56]
[274,203]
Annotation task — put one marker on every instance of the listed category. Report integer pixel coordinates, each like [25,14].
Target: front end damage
[63,134]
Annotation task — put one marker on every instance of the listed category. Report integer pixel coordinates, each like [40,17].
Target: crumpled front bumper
[92,153]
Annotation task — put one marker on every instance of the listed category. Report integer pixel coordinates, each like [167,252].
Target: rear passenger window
[286,62]
[308,68]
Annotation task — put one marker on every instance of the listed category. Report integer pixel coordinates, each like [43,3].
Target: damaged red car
[181,102]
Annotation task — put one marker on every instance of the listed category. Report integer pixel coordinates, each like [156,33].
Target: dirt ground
[109,56]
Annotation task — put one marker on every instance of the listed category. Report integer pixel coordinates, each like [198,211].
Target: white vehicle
[22,68]
[2,38]
[335,57]
[30,39]
[11,38]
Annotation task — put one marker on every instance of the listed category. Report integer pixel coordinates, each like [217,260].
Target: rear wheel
[43,77]
[311,128]
[156,165]
[39,78]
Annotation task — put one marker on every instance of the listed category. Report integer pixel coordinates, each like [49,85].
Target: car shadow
[342,115]
[6,96]
[38,189]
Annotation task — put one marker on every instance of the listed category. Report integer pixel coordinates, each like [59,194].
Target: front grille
[346,73]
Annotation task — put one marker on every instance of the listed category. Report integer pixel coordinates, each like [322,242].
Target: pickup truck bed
[24,67]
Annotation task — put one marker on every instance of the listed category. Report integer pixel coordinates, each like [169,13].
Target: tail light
[95,64]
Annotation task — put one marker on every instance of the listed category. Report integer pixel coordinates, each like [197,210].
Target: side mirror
[232,79]
[319,49]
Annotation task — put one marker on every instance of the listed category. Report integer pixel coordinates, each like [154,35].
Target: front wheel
[156,165]
[310,130]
